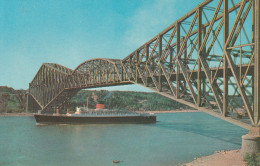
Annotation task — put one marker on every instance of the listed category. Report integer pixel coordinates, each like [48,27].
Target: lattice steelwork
[208,59]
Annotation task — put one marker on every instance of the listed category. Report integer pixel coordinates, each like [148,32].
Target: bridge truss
[209,60]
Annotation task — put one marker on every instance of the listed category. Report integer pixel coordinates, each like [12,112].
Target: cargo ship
[97,116]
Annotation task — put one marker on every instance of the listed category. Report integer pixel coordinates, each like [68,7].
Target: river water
[176,137]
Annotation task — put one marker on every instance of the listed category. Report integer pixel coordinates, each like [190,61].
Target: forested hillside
[14,101]
[125,100]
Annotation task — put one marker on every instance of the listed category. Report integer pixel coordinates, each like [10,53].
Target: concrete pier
[251,141]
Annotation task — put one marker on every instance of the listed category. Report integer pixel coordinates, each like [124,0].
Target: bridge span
[209,59]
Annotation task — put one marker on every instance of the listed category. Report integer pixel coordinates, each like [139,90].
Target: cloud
[148,20]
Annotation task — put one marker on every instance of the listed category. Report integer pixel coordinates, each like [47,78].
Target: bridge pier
[251,141]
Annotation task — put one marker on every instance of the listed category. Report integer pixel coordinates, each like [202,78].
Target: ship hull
[62,119]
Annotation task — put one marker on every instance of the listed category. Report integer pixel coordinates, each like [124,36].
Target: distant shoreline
[154,112]
[16,114]
[172,111]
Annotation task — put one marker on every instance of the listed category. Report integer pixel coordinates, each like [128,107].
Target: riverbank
[172,111]
[220,158]
[154,112]
[16,114]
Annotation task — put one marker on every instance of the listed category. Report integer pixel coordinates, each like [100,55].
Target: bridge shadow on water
[210,127]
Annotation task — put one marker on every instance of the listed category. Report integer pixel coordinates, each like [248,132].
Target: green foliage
[125,100]
[13,105]
[12,101]
[252,159]
[5,89]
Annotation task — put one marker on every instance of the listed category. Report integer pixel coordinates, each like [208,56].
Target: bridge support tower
[251,141]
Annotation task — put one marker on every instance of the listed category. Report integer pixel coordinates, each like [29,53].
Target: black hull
[62,119]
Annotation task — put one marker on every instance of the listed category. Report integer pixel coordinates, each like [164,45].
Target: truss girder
[53,84]
[193,61]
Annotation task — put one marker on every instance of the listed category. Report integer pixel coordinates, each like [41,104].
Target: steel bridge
[209,59]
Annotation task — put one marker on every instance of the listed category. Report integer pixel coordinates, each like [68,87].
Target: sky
[69,32]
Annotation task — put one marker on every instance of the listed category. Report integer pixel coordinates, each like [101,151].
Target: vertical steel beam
[136,65]
[147,57]
[147,52]
[185,54]
[177,65]
[253,41]
[107,72]
[204,87]
[253,22]
[114,74]
[131,67]
[171,56]
[257,62]
[225,74]
[27,102]
[185,60]
[122,73]
[199,63]
[160,69]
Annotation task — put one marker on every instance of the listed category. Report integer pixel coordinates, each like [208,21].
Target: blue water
[177,137]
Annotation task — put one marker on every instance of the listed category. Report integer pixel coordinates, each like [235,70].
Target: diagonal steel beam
[241,88]
[173,90]
[204,63]
[183,43]
[231,34]
[185,74]
[238,30]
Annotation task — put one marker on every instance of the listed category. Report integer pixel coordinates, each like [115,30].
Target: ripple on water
[175,138]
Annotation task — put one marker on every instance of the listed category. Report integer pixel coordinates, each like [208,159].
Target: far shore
[172,111]
[153,112]
[17,114]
